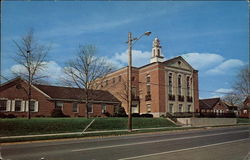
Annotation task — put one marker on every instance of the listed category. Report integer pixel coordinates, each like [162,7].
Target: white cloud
[227,67]
[203,60]
[221,92]
[139,58]
[53,71]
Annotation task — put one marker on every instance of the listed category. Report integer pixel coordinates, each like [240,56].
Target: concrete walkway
[89,132]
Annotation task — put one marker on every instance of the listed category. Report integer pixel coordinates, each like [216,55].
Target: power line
[193,89]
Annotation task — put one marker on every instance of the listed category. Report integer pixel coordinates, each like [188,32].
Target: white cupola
[156,52]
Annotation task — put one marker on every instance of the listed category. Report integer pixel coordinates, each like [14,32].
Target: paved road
[220,143]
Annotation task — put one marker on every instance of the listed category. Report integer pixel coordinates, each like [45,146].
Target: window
[179,85]
[133,92]
[113,80]
[170,84]
[3,105]
[148,108]
[90,108]
[120,78]
[18,105]
[188,86]
[133,79]
[32,106]
[180,107]
[170,108]
[59,105]
[148,79]
[148,89]
[104,108]
[148,84]
[74,107]
[189,108]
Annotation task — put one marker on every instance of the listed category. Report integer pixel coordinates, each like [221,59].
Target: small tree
[233,99]
[30,56]
[242,83]
[87,72]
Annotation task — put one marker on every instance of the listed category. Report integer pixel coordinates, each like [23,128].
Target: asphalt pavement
[216,143]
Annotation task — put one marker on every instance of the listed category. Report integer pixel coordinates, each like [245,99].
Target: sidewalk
[89,132]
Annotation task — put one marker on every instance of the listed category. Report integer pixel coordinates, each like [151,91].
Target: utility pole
[130,44]
[129,82]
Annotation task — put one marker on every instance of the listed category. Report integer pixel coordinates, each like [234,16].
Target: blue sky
[211,36]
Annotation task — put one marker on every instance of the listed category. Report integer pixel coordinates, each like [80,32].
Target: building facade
[213,105]
[13,100]
[160,87]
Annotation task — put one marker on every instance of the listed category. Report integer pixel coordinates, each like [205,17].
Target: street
[215,143]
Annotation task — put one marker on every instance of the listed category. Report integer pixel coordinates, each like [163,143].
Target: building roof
[208,103]
[64,93]
[69,93]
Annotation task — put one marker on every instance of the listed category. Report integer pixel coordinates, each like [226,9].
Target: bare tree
[242,84]
[30,56]
[87,72]
[233,99]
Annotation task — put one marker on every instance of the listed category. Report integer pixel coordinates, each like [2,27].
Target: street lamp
[131,41]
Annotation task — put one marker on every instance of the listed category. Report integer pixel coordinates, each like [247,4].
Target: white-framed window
[75,107]
[59,105]
[171,108]
[179,84]
[189,108]
[104,108]
[32,106]
[90,108]
[188,86]
[148,108]
[18,104]
[170,83]
[148,80]
[3,105]
[180,108]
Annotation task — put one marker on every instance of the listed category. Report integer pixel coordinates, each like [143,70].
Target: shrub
[57,112]
[147,115]
[107,114]
[11,116]
[40,115]
[135,114]
[183,114]
[120,113]
[2,115]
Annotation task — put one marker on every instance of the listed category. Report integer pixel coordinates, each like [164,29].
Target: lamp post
[131,41]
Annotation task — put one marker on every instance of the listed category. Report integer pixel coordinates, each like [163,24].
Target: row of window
[18,105]
[75,107]
[179,84]
[106,82]
[180,108]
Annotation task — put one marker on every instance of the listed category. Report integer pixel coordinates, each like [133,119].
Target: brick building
[245,111]
[13,99]
[159,87]
[214,105]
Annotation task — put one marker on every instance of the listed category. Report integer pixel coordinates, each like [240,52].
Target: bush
[57,112]
[107,114]
[40,116]
[183,114]
[11,116]
[121,113]
[147,115]
[2,115]
[135,114]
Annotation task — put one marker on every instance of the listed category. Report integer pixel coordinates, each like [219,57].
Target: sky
[210,35]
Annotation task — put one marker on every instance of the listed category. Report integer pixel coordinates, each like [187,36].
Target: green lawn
[243,120]
[22,126]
